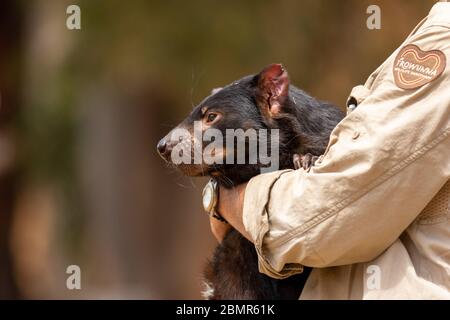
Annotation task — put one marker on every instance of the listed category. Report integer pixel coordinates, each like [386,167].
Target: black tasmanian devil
[262,101]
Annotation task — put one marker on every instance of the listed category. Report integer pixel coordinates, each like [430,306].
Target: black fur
[305,125]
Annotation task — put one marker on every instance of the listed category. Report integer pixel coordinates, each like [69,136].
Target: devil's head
[209,143]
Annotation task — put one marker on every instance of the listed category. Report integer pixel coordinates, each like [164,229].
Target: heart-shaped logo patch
[413,67]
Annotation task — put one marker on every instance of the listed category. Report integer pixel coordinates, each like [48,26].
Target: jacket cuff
[256,221]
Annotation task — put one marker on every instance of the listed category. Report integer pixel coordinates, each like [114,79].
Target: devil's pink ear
[272,89]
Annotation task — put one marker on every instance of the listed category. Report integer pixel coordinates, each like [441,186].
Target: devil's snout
[164,149]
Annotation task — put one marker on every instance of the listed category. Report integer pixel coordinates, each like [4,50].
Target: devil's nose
[162,147]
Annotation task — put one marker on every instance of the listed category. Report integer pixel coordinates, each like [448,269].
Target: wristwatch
[210,198]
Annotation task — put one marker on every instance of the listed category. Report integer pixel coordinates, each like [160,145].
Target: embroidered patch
[413,67]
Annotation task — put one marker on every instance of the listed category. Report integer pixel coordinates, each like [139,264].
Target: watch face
[207,197]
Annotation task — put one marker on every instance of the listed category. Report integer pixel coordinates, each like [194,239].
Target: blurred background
[82,110]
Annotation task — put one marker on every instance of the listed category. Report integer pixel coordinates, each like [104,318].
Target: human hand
[219,228]
[230,206]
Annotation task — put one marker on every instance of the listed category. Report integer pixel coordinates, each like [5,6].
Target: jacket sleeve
[385,161]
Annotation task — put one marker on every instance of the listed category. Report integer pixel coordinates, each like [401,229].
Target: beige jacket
[372,217]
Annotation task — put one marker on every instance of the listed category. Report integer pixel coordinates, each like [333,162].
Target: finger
[296,160]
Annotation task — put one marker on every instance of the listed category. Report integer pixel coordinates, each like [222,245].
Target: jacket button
[351,107]
[355,135]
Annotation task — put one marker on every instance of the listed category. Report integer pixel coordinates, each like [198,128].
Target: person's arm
[230,207]
[384,163]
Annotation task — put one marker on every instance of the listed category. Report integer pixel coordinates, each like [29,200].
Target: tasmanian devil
[262,101]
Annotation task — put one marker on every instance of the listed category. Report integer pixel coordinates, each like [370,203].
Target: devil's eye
[210,117]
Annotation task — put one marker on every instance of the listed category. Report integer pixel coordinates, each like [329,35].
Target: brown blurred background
[81,113]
